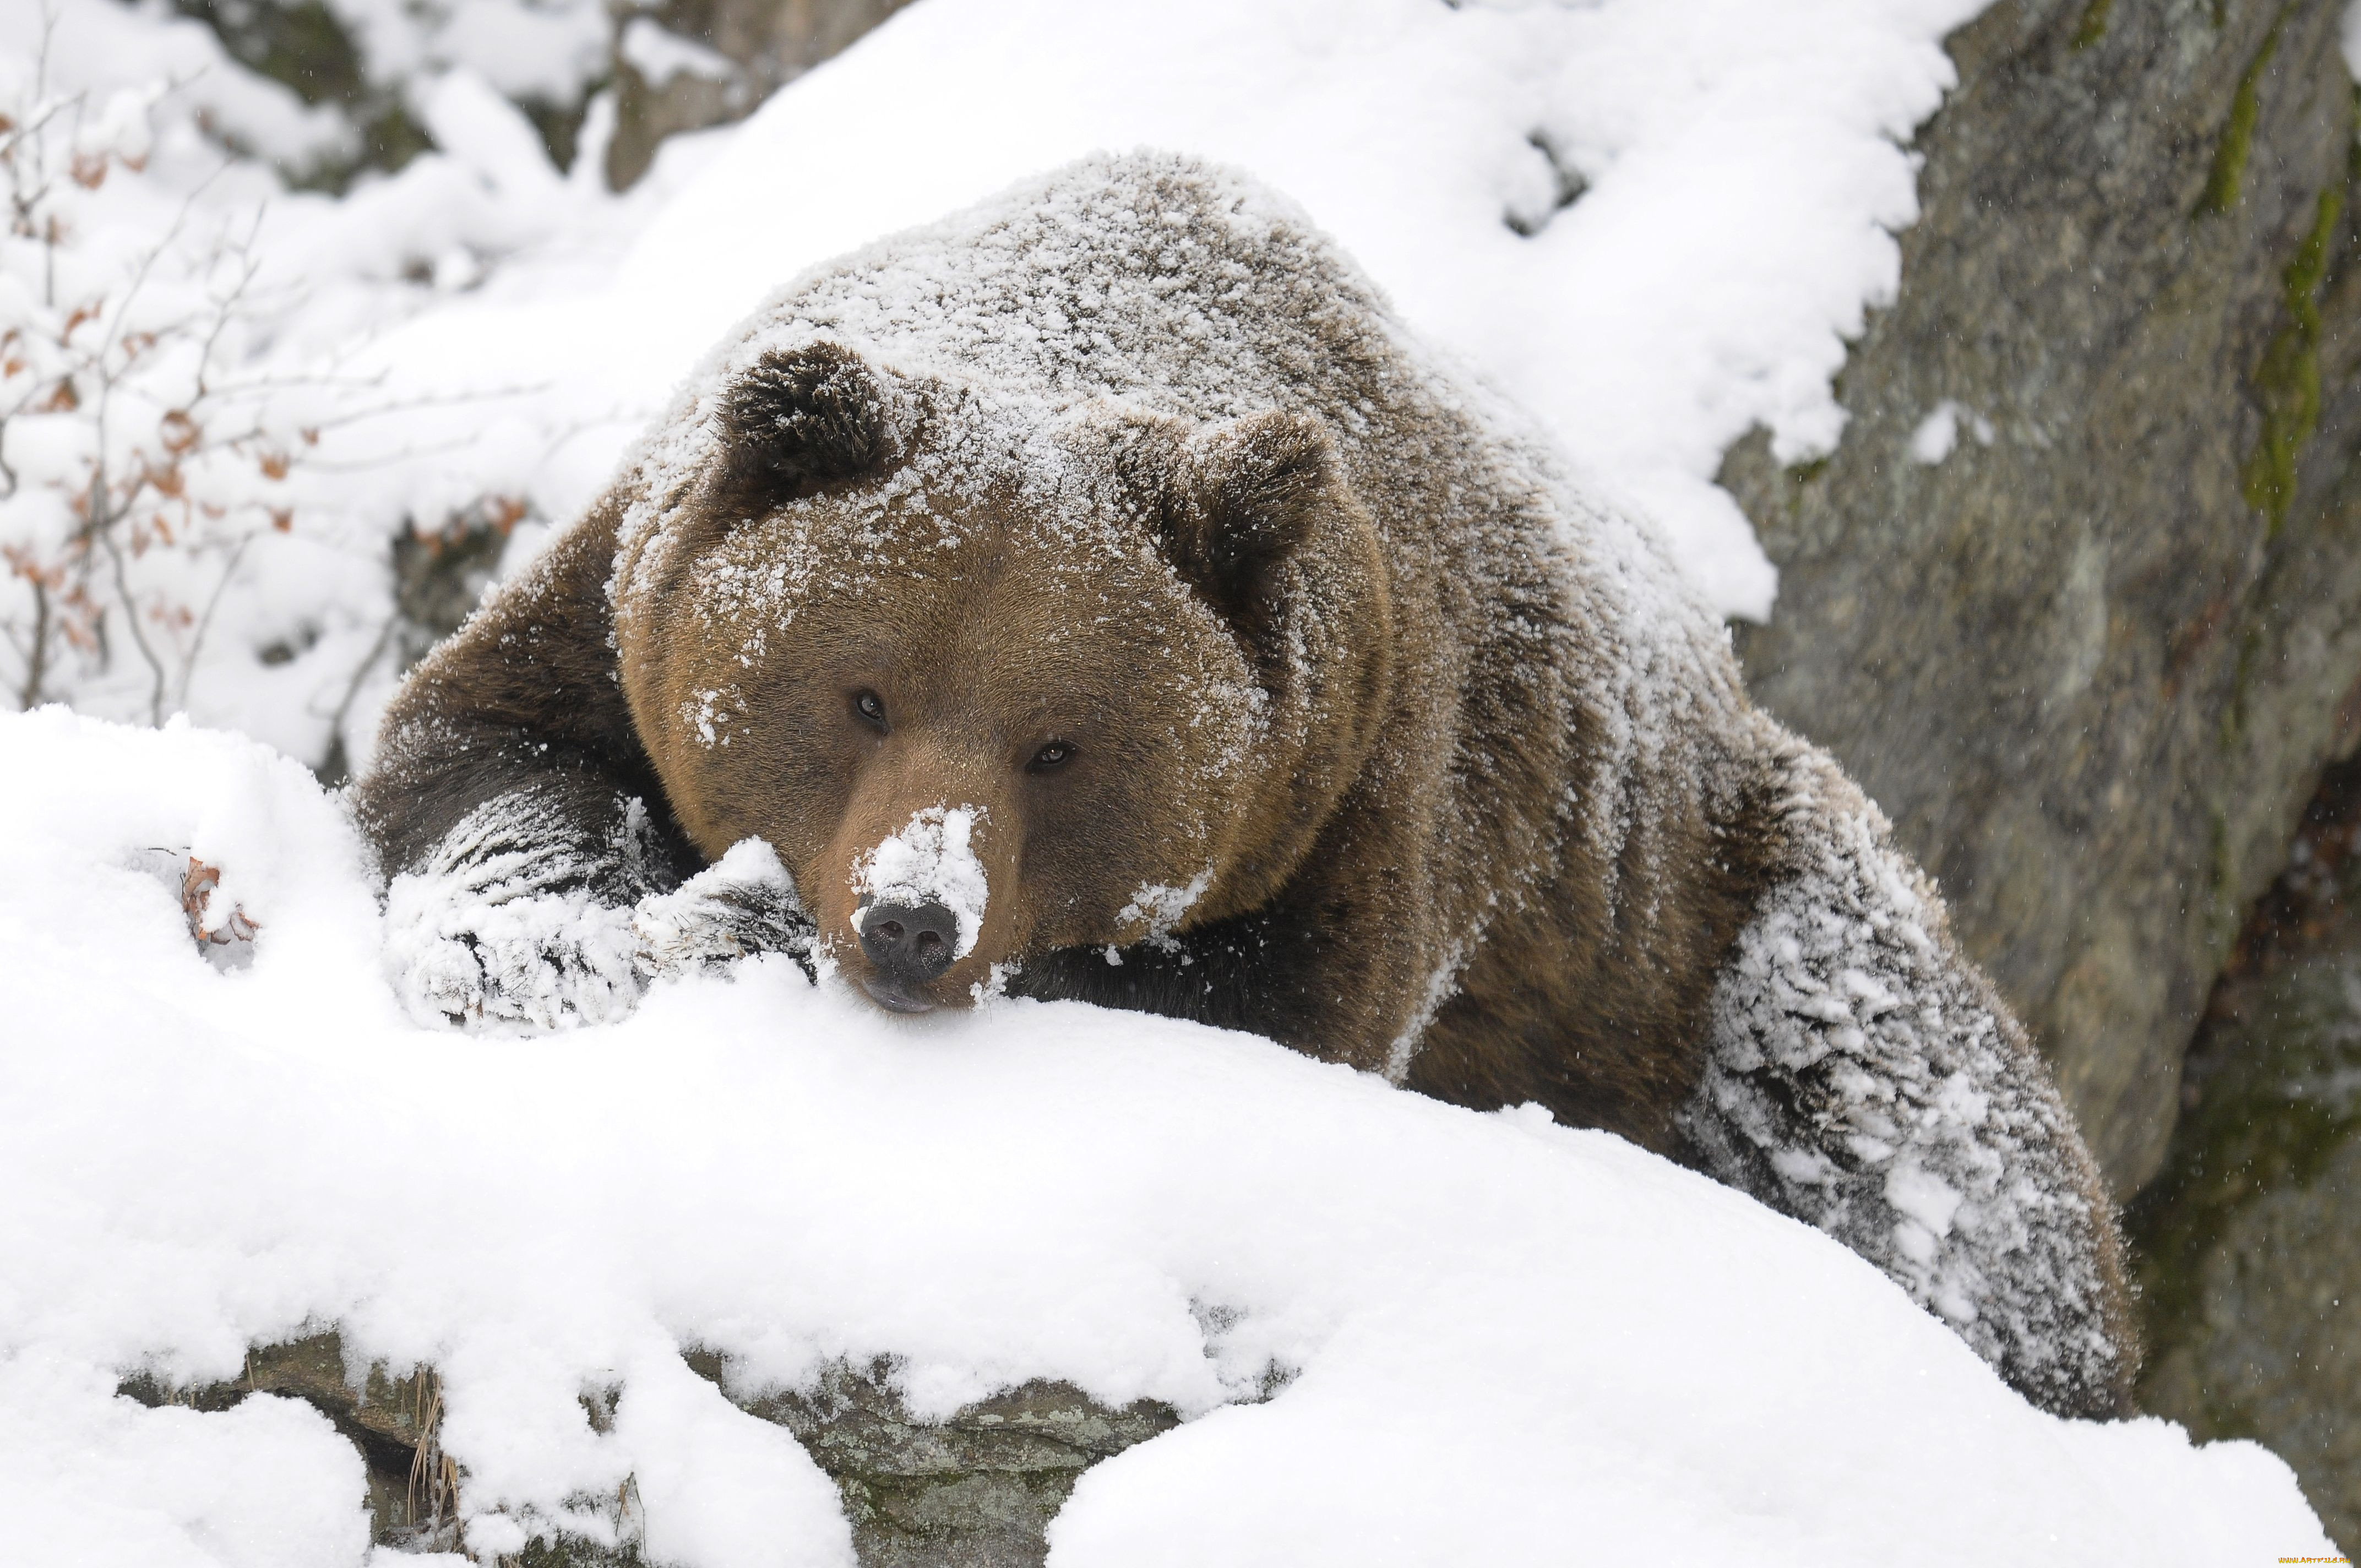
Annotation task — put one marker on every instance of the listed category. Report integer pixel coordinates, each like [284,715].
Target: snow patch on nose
[930,859]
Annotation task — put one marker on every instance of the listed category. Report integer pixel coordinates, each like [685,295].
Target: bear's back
[1150,280]
[1158,280]
[1149,277]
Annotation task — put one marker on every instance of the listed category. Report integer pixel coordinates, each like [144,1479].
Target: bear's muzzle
[911,945]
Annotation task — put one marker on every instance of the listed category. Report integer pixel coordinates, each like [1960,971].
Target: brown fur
[1470,789]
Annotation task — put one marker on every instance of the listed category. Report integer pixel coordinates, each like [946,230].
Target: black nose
[909,941]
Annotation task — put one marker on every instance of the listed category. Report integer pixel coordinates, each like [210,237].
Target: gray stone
[2249,1244]
[306,46]
[764,43]
[2094,668]
[391,1420]
[976,1490]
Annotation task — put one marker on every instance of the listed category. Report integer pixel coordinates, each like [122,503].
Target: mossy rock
[2092,661]
[2249,1244]
[764,44]
[977,1490]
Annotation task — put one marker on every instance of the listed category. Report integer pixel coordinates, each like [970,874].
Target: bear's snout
[911,944]
[913,917]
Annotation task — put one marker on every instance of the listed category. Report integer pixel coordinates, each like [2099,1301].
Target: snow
[187,336]
[101,1482]
[543,50]
[1710,190]
[1932,439]
[1497,1335]
[929,859]
[546,51]
[1157,908]
[659,56]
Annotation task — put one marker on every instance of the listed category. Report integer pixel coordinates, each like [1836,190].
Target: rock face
[979,1490]
[675,65]
[975,1491]
[2093,658]
[2078,599]
[392,1421]
[737,53]
[303,45]
[2250,1242]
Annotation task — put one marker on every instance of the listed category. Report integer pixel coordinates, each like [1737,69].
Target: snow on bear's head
[995,678]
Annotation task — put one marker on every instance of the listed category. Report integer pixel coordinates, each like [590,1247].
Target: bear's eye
[871,706]
[1054,755]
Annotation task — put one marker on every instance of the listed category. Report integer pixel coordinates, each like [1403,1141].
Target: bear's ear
[1251,491]
[804,416]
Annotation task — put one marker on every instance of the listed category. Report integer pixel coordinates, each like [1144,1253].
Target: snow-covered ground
[1509,1342]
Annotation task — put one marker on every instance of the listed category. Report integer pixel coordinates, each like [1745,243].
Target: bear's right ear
[802,417]
[1252,492]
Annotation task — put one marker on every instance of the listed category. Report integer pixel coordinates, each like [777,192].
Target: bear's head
[995,678]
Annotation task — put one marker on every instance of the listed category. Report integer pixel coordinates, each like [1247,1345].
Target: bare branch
[205,622]
[37,657]
[131,616]
[352,687]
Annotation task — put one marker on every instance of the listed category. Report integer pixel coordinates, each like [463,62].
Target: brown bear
[1100,595]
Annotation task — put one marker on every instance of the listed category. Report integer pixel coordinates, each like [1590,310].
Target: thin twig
[148,262]
[205,622]
[352,687]
[131,616]
[37,662]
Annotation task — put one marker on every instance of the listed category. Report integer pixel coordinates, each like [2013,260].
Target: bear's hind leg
[1864,1077]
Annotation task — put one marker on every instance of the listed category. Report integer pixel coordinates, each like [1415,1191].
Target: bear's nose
[911,942]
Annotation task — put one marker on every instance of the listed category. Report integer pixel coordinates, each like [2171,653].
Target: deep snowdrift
[1510,1343]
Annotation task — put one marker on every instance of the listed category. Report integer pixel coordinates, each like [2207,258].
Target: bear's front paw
[544,959]
[742,905]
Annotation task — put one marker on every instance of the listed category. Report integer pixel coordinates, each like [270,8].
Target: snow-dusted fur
[1864,1077]
[1391,740]
[509,920]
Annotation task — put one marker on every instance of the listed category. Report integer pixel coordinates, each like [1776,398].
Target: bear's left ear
[1252,492]
[805,416]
